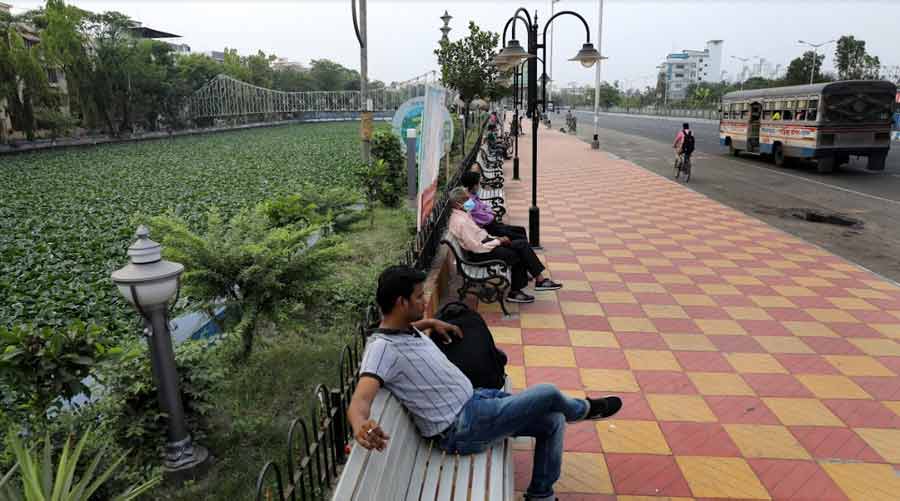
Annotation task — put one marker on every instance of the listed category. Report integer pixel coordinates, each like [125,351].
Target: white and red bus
[826,122]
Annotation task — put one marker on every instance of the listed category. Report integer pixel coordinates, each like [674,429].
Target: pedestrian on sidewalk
[482,246]
[445,407]
[482,213]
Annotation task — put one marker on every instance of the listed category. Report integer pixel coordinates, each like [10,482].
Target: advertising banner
[431,148]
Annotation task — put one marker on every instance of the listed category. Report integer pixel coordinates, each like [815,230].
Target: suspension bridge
[226,97]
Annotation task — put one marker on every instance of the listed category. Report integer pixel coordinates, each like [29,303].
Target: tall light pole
[552,9]
[513,54]
[366,118]
[595,143]
[815,48]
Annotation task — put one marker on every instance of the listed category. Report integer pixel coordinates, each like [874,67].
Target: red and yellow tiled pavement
[753,365]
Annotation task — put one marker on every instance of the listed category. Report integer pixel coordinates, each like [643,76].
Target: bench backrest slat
[351,475]
[496,474]
[395,423]
[433,473]
[417,479]
[463,478]
[402,452]
[448,477]
[479,477]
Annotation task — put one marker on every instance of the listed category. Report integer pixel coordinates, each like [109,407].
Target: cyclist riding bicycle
[684,143]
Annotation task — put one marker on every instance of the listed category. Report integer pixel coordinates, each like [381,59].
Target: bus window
[801,115]
[744,114]
[767,115]
[787,115]
[813,113]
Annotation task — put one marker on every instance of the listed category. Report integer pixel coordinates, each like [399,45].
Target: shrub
[129,411]
[386,146]
[256,268]
[39,367]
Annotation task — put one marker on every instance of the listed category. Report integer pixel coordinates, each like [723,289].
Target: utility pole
[595,144]
[366,116]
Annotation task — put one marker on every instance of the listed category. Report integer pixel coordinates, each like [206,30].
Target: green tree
[852,61]
[292,80]
[260,67]
[23,80]
[467,64]
[329,75]
[234,67]
[799,69]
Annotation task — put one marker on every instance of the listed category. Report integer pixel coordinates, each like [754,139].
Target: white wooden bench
[414,469]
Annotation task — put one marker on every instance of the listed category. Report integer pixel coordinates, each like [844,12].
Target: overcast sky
[637,34]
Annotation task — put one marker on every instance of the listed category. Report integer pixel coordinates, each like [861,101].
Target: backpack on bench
[475,354]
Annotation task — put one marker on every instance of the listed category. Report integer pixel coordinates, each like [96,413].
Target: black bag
[475,354]
[688,144]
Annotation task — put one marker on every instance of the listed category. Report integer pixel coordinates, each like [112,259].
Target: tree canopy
[467,65]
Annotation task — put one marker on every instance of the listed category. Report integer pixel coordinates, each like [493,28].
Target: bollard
[411,171]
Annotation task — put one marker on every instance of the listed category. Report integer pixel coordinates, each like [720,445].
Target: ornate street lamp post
[148,282]
[513,54]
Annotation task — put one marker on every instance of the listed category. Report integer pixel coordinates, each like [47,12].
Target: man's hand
[445,330]
[371,436]
[505,241]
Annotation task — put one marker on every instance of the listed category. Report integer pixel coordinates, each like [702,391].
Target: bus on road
[826,122]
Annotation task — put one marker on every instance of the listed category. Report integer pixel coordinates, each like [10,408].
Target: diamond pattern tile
[752,365]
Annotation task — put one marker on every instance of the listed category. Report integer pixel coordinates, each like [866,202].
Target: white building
[687,67]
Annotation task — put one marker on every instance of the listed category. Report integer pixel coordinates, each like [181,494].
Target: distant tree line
[852,62]
[116,82]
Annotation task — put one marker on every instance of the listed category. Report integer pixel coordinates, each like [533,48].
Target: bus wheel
[876,161]
[842,159]
[825,165]
[778,155]
[734,151]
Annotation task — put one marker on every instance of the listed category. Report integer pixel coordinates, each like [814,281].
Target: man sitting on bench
[443,404]
[482,213]
[482,246]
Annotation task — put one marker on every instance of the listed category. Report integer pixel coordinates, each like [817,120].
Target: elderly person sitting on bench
[482,213]
[482,246]
[445,407]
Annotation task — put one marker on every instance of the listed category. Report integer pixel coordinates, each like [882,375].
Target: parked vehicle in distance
[827,122]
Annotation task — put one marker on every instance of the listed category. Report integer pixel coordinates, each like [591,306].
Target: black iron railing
[317,447]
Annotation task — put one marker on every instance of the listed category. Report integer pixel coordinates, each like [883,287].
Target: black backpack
[475,354]
[688,144]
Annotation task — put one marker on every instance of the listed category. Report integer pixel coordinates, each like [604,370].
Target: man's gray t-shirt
[414,370]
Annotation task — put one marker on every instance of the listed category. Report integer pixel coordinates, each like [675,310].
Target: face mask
[469,205]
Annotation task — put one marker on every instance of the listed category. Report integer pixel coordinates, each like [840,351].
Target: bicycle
[683,166]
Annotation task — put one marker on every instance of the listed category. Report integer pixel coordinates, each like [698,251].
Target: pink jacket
[469,235]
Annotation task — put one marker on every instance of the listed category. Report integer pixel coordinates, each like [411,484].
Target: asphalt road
[775,195]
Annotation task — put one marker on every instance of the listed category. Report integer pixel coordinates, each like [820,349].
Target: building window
[679,66]
[701,59]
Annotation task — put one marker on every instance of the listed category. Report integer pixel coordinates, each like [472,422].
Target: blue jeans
[540,412]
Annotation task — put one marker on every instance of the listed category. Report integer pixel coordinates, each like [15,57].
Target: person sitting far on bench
[482,246]
[442,402]
[482,213]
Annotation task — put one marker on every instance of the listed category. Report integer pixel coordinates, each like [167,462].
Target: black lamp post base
[534,225]
[189,468]
[516,169]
